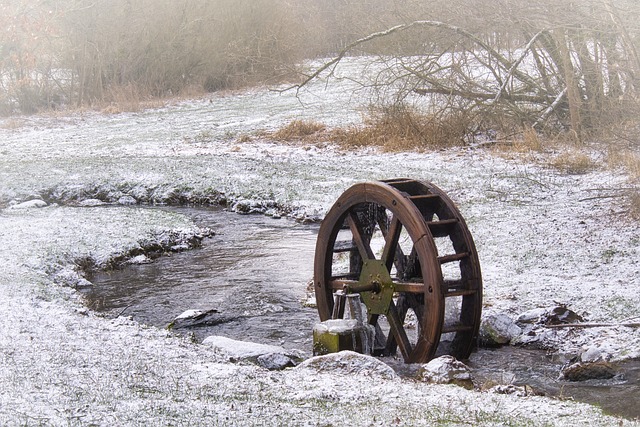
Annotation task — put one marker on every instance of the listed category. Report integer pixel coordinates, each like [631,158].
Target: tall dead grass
[299,130]
[634,203]
[624,159]
[402,128]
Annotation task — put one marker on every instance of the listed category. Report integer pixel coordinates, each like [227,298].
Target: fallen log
[594,325]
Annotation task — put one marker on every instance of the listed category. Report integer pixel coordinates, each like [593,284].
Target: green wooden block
[336,335]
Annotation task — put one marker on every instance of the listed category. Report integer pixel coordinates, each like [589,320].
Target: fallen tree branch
[481,95]
[593,325]
[514,72]
[613,196]
[515,66]
[547,112]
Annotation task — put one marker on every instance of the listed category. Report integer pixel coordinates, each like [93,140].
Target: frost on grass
[543,239]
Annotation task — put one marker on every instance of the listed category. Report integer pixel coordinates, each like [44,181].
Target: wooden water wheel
[404,247]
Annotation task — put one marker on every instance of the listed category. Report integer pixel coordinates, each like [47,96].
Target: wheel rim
[378,239]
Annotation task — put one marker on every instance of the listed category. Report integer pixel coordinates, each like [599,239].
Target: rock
[139,260]
[91,203]
[561,314]
[180,247]
[498,329]
[446,370]
[514,390]
[197,318]
[127,200]
[242,207]
[193,313]
[275,361]
[583,371]
[592,354]
[236,350]
[31,204]
[83,283]
[71,278]
[549,316]
[349,363]
[532,316]
[309,299]
[273,213]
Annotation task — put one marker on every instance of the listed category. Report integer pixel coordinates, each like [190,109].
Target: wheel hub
[375,286]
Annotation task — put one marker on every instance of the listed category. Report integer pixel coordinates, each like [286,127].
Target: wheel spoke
[398,332]
[411,265]
[392,237]
[408,287]
[413,301]
[358,237]
[401,306]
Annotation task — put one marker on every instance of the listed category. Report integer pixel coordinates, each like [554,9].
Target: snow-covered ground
[543,238]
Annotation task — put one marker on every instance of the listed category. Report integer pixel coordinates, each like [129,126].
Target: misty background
[575,61]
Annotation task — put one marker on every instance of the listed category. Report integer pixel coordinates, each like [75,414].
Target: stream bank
[253,273]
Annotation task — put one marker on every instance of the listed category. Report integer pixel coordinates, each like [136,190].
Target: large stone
[498,329]
[446,370]
[533,316]
[583,371]
[261,354]
[91,203]
[349,363]
[31,204]
[196,318]
[127,200]
[275,361]
[592,354]
[549,316]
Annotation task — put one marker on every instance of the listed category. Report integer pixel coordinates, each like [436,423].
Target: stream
[254,272]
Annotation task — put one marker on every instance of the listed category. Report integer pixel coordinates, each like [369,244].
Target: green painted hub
[375,274]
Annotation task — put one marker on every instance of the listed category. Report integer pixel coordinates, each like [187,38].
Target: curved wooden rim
[412,220]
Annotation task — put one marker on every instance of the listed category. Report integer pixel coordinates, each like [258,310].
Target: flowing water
[254,272]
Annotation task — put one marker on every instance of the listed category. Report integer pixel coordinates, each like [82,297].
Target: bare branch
[547,112]
[536,99]
[515,65]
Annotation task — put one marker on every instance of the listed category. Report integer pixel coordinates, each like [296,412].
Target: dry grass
[299,130]
[561,152]
[405,129]
[127,98]
[624,159]
[12,123]
[573,161]
[529,141]
[629,162]
[634,203]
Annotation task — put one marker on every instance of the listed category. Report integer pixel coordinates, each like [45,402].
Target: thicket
[81,52]
[71,53]
[543,64]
